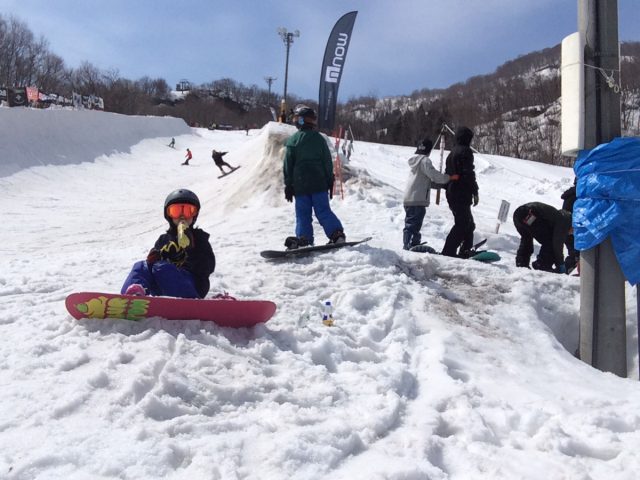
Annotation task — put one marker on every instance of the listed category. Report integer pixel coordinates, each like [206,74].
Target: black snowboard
[230,171]
[299,252]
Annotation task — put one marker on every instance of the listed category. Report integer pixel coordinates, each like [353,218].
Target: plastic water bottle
[327,314]
[303,321]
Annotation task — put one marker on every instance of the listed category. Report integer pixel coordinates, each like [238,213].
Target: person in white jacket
[416,194]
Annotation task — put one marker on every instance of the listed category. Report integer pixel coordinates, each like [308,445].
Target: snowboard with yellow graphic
[225,311]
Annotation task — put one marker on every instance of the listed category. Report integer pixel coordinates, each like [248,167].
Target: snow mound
[261,179]
[62,137]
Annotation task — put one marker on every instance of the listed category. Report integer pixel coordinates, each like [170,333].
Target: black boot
[337,237]
[296,242]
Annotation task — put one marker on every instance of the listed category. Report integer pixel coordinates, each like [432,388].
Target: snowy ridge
[437,368]
[62,136]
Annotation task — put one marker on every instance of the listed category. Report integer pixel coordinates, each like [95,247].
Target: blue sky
[398,46]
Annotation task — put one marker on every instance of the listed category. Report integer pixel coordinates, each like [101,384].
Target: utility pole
[287,38]
[269,81]
[602,295]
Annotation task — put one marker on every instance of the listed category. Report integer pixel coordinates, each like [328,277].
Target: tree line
[514,111]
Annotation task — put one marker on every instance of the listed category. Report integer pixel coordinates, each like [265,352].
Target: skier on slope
[187,157]
[308,177]
[550,227]
[417,191]
[219,161]
[181,260]
[461,195]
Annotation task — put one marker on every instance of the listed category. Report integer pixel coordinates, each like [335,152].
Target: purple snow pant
[162,279]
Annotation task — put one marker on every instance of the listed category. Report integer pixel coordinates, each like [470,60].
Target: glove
[172,253]
[152,257]
[476,200]
[288,193]
[561,268]
[454,177]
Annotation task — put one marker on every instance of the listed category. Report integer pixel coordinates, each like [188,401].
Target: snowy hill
[437,368]
[62,137]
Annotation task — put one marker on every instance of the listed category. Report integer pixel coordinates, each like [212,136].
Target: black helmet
[182,195]
[424,147]
[304,115]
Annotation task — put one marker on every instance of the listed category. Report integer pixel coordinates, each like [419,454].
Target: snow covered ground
[437,368]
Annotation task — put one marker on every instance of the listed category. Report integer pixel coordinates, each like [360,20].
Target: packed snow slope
[437,368]
[62,136]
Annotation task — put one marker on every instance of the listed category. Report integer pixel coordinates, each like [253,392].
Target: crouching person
[550,227]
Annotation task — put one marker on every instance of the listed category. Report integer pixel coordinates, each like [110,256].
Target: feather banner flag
[335,55]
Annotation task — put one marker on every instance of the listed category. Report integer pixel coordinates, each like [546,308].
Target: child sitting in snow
[182,259]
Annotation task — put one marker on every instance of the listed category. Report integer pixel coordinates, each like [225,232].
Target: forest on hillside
[514,111]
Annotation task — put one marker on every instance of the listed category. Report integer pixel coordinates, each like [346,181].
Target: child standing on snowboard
[308,176]
[416,194]
[181,260]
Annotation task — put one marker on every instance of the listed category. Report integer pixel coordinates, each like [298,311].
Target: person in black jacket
[181,261]
[568,199]
[550,227]
[219,161]
[461,195]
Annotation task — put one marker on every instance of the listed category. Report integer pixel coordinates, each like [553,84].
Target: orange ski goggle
[186,210]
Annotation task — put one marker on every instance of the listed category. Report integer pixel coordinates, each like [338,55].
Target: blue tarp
[608,202]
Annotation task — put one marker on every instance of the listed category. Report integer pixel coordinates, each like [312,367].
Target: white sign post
[502,213]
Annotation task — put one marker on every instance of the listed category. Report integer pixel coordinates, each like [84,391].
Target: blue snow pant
[319,203]
[413,219]
[162,279]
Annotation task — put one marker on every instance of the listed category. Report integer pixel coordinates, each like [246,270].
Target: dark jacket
[568,198]
[217,157]
[460,161]
[308,166]
[539,220]
[198,258]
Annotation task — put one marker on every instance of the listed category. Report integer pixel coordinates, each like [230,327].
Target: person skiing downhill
[461,195]
[172,143]
[308,178]
[188,157]
[416,194]
[181,261]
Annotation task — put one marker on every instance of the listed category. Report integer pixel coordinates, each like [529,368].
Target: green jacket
[308,167]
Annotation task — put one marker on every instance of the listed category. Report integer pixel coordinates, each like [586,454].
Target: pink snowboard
[225,312]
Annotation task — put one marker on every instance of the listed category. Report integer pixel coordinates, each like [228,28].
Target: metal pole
[602,303]
[287,42]
[269,81]
[287,38]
